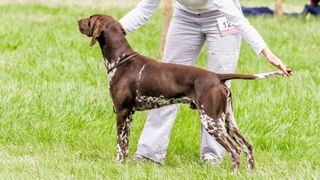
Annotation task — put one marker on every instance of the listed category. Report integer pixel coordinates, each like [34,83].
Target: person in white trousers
[221,25]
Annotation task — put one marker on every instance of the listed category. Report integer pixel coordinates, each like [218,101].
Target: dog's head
[95,25]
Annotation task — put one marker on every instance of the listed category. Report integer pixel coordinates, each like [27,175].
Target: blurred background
[288,4]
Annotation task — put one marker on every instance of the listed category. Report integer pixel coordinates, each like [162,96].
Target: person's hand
[274,60]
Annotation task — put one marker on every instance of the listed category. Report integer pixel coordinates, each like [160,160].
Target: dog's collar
[120,61]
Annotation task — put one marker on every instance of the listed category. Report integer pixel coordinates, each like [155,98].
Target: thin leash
[121,61]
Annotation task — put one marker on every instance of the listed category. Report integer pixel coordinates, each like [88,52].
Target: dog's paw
[120,158]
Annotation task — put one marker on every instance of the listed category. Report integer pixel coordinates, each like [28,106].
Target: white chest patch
[108,66]
[111,74]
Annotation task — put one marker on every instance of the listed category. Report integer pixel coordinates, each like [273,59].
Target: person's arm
[274,60]
[139,15]
[249,33]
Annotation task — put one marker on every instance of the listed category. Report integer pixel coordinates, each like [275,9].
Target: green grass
[56,118]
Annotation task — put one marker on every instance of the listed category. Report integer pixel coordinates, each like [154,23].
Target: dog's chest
[108,66]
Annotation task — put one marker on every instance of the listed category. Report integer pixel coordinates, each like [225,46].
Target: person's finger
[286,71]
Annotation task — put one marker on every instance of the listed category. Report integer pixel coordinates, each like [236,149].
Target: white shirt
[145,8]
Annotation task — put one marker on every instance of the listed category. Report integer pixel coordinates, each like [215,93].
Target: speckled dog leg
[123,128]
[216,128]
[237,136]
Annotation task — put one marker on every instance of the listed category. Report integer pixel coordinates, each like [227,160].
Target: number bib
[225,27]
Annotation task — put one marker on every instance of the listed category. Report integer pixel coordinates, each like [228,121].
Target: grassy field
[56,118]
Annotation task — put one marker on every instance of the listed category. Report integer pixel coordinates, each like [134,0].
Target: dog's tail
[225,77]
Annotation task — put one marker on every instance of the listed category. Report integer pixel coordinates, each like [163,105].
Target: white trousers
[186,36]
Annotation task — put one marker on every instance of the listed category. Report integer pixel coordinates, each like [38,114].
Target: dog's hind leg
[124,118]
[212,108]
[216,128]
[236,134]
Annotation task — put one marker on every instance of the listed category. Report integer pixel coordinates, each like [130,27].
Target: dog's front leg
[124,118]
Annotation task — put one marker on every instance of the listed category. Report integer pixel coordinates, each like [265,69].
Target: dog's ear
[96,31]
[121,27]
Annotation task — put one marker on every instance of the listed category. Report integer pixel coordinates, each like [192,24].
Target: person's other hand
[275,61]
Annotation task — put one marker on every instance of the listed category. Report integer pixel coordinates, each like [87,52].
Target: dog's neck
[114,46]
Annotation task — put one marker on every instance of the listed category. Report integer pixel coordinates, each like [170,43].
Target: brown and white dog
[139,83]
